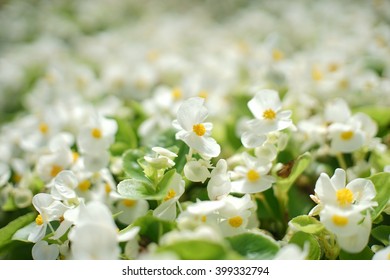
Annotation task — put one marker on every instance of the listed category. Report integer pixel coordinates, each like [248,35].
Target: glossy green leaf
[196,250]
[380,160]
[152,228]
[302,238]
[366,254]
[131,166]
[306,224]
[381,182]
[9,230]
[254,246]
[381,233]
[181,159]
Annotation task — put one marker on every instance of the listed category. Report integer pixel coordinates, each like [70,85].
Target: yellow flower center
[204,94]
[39,220]
[129,202]
[107,188]
[171,194]
[339,220]
[75,156]
[96,133]
[344,197]
[277,55]
[199,129]
[55,169]
[346,135]
[235,221]
[316,74]
[177,94]
[203,218]
[43,128]
[333,67]
[269,114]
[252,175]
[16,178]
[84,185]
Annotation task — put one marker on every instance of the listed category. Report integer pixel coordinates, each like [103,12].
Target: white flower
[252,176]
[197,170]
[219,185]
[266,107]
[162,160]
[63,185]
[292,252]
[193,130]
[130,210]
[49,210]
[94,236]
[357,194]
[382,254]
[352,229]
[167,209]
[43,251]
[97,135]
[48,166]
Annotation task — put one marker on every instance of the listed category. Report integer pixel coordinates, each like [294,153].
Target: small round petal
[263,100]
[43,251]
[191,112]
[195,171]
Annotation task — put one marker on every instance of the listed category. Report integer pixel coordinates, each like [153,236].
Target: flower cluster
[196,130]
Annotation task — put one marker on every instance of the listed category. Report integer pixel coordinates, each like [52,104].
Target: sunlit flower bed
[194,129]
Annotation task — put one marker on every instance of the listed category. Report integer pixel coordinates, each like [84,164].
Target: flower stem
[341,161]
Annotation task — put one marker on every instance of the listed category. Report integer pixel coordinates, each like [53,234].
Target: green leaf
[196,250]
[381,182]
[126,134]
[300,164]
[366,254]
[380,160]
[131,166]
[152,228]
[181,159]
[9,230]
[380,114]
[307,224]
[382,233]
[254,246]
[16,250]
[301,238]
[137,189]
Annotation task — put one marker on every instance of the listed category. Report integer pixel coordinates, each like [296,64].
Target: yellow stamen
[171,194]
[346,135]
[43,128]
[107,188]
[333,67]
[204,94]
[199,129]
[61,219]
[277,55]
[16,178]
[55,169]
[339,220]
[39,220]
[269,114]
[96,133]
[177,94]
[316,74]
[344,83]
[84,185]
[252,175]
[129,202]
[75,156]
[203,218]
[235,221]
[344,197]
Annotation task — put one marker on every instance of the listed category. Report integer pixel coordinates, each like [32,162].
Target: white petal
[252,140]
[43,251]
[191,112]
[362,189]
[263,100]
[206,146]
[338,179]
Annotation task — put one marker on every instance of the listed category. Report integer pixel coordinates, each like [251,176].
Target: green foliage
[365,254]
[307,224]
[196,250]
[306,239]
[382,234]
[255,246]
[152,228]
[9,230]
[381,182]
[141,189]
